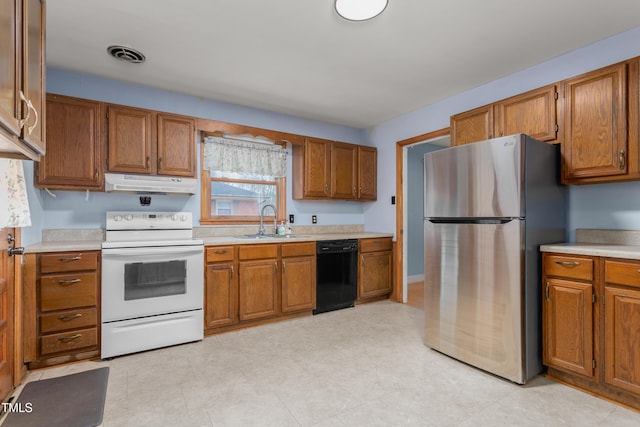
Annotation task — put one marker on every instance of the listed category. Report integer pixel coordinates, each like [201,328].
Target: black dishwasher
[336,274]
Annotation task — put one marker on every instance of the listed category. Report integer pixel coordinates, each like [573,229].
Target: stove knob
[117,218]
[128,217]
[174,217]
[183,218]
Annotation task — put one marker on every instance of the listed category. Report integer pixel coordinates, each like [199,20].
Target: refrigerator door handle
[471,220]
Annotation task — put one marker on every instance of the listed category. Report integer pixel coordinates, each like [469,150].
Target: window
[241,177]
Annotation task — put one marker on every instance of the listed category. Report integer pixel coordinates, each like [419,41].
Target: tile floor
[363,366]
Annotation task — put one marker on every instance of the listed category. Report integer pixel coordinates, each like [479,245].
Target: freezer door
[473,297]
[483,179]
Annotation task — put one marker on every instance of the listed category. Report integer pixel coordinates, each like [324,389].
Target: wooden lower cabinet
[298,276]
[591,319]
[249,284]
[375,267]
[568,317]
[259,289]
[221,302]
[61,307]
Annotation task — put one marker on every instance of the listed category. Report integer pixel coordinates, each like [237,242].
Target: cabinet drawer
[68,261]
[298,249]
[68,320]
[573,267]
[61,292]
[622,272]
[68,341]
[219,253]
[375,245]
[257,251]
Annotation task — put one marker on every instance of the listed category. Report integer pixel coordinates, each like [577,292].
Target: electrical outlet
[290,218]
[314,219]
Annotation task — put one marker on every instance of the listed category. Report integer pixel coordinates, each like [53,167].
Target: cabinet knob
[621,160]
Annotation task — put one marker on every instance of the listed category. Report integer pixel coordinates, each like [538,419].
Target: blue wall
[415,207]
[71,209]
[615,206]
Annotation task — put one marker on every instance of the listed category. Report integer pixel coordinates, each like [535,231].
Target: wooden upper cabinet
[312,169]
[33,72]
[22,78]
[532,113]
[129,140]
[10,111]
[334,170]
[344,164]
[367,173]
[74,159]
[595,142]
[176,145]
[472,126]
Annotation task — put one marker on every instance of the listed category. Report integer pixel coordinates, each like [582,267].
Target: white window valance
[234,156]
[14,205]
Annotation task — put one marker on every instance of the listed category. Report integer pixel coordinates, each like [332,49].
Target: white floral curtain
[14,206]
[230,155]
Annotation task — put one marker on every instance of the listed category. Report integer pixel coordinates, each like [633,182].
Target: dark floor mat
[75,400]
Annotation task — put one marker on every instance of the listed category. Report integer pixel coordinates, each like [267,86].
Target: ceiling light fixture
[360,10]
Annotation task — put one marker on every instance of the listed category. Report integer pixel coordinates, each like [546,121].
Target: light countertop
[595,249]
[96,244]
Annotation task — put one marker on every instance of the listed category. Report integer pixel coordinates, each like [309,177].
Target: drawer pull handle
[568,263]
[220,251]
[69,282]
[69,338]
[69,317]
[75,258]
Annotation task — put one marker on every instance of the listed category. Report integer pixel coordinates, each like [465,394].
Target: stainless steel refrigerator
[488,207]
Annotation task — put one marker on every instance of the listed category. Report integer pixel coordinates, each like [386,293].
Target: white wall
[604,205]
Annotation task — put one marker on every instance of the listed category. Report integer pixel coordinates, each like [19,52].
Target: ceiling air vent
[126,54]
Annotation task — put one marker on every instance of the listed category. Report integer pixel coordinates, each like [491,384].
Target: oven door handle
[141,252]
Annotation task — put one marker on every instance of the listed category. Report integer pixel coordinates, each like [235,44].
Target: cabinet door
[6,314]
[221,300]
[176,146]
[33,72]
[74,158]
[622,345]
[344,163]
[532,113]
[367,173]
[317,168]
[298,283]
[9,60]
[258,283]
[568,326]
[472,126]
[129,140]
[595,142]
[375,274]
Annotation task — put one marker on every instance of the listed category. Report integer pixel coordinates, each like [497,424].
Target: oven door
[148,281]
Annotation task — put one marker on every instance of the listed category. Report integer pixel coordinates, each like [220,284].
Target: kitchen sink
[270,236]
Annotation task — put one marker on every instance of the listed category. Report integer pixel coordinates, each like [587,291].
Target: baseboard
[415,278]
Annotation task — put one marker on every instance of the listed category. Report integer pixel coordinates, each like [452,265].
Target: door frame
[399,285]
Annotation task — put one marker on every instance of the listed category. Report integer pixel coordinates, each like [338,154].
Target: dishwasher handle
[336,246]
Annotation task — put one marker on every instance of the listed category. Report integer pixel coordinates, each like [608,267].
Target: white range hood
[144,184]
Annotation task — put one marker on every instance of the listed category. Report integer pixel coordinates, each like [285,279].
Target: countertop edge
[594,249]
[96,245]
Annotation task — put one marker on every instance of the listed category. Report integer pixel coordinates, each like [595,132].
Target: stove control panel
[148,220]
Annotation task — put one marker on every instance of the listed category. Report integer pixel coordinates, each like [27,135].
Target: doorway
[409,213]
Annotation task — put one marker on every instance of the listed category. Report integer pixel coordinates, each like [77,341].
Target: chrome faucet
[275,218]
